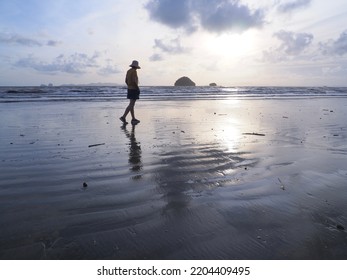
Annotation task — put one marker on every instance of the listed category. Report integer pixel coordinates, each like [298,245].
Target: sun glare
[231,45]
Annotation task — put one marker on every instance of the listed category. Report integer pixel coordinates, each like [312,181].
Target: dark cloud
[173,13]
[293,5]
[77,63]
[292,45]
[212,15]
[222,15]
[335,47]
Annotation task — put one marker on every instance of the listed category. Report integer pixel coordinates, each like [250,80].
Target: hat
[135,64]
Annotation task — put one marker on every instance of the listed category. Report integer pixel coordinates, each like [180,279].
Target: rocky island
[184,82]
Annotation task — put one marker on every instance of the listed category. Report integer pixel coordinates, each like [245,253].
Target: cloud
[292,44]
[156,57]
[108,70]
[16,39]
[173,46]
[212,15]
[77,63]
[222,15]
[90,31]
[53,43]
[335,47]
[293,5]
[333,70]
[173,13]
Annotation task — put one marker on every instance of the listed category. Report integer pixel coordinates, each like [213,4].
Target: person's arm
[136,80]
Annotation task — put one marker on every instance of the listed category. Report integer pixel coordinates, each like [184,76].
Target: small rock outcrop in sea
[213,84]
[184,82]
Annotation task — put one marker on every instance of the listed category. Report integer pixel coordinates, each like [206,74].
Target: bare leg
[130,109]
[132,112]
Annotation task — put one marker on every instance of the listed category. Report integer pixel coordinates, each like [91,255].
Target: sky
[228,42]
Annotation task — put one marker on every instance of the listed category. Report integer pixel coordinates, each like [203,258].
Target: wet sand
[210,179]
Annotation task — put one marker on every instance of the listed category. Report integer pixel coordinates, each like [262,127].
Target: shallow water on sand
[217,179]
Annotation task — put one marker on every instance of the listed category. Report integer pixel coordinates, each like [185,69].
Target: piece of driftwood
[253,133]
[94,145]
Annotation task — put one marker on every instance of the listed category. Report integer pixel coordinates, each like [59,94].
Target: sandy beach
[196,179]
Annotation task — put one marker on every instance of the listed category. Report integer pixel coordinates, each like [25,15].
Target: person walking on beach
[132,82]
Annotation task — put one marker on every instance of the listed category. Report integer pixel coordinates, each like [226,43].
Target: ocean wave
[105,93]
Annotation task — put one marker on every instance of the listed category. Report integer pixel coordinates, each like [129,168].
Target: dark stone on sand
[184,82]
[85,185]
[340,227]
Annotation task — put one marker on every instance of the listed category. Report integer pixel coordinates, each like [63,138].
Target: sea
[109,93]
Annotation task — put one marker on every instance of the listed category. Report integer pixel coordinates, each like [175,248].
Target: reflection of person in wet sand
[134,152]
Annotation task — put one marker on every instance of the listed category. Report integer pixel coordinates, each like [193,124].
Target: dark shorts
[133,94]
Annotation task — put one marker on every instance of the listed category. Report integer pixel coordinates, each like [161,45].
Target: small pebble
[85,185]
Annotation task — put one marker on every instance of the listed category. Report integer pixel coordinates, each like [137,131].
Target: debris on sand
[94,145]
[253,133]
[282,185]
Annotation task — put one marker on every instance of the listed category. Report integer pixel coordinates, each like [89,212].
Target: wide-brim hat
[135,64]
